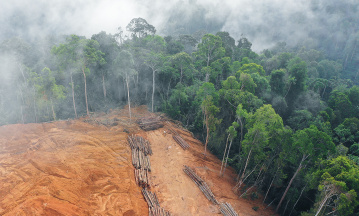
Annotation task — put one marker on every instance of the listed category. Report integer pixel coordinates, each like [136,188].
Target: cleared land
[83,167]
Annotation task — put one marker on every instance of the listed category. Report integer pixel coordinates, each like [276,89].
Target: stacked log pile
[141,149]
[178,138]
[201,184]
[142,178]
[227,209]
[154,207]
[181,141]
[138,142]
[140,160]
[149,123]
[172,131]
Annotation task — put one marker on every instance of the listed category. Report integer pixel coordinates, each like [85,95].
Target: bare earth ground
[83,167]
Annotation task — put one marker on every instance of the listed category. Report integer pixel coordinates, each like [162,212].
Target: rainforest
[272,90]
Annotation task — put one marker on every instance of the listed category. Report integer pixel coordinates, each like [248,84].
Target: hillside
[83,167]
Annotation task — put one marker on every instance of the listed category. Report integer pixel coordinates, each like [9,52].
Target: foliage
[282,115]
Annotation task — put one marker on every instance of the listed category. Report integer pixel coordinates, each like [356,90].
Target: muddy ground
[83,167]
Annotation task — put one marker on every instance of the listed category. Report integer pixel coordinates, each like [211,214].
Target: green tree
[339,101]
[183,62]
[154,59]
[308,144]
[251,68]
[140,28]
[263,126]
[108,45]
[47,89]
[209,111]
[338,185]
[232,133]
[209,50]
[229,43]
[297,70]
[246,82]
[77,54]
[277,81]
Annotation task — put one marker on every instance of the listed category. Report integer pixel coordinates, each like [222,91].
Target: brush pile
[154,207]
[149,123]
[181,141]
[138,142]
[201,184]
[227,209]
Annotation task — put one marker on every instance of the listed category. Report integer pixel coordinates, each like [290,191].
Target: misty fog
[263,22]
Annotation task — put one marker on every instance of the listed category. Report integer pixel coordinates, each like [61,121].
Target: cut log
[201,184]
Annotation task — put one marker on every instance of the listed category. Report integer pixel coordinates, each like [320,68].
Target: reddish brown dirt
[83,167]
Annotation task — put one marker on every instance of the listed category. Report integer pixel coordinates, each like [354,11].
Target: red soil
[83,167]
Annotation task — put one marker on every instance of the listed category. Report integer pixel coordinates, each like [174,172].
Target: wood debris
[149,123]
[140,160]
[142,178]
[138,142]
[227,209]
[178,138]
[141,150]
[181,141]
[201,184]
[154,207]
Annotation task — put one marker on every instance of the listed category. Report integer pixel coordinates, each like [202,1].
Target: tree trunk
[229,149]
[291,181]
[119,90]
[48,112]
[255,183]
[181,75]
[288,90]
[297,200]
[322,204]
[324,90]
[207,77]
[285,208]
[207,137]
[153,87]
[53,111]
[87,106]
[249,154]
[275,175]
[128,97]
[35,105]
[224,156]
[241,179]
[240,143]
[124,85]
[21,108]
[103,86]
[73,95]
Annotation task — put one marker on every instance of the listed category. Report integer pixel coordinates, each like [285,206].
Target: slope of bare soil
[83,167]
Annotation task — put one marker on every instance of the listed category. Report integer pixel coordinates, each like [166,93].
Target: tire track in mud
[66,169]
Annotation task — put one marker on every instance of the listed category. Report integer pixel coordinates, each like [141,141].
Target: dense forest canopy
[276,97]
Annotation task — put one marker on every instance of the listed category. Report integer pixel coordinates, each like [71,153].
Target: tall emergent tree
[125,65]
[209,50]
[140,28]
[77,54]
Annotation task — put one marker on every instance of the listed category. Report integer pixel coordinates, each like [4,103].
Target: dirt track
[81,167]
